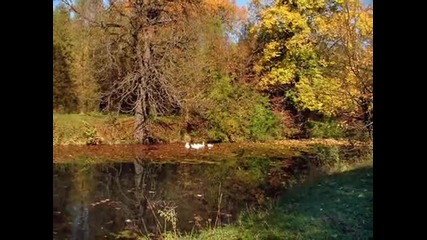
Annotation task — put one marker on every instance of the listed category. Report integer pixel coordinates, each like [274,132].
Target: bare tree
[140,36]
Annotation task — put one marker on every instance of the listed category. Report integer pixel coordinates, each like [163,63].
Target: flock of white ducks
[198,145]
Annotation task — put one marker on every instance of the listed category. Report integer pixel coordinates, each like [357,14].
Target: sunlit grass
[338,206]
[79,129]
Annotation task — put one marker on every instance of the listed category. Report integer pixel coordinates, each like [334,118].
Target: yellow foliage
[308,4]
[282,19]
[328,96]
[272,50]
[326,54]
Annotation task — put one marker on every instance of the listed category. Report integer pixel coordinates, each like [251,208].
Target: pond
[149,191]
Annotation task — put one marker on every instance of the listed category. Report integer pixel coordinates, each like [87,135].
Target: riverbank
[97,129]
[324,149]
[101,129]
[335,206]
[334,201]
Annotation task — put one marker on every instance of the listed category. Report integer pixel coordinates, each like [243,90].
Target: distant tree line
[253,73]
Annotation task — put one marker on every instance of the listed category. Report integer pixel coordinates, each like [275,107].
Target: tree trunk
[142,111]
[367,117]
[140,122]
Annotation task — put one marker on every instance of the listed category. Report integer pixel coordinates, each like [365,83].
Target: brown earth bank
[175,151]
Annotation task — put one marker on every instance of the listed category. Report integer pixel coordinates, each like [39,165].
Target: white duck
[198,145]
[194,145]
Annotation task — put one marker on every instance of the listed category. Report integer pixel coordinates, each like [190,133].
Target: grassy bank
[97,128]
[82,129]
[334,201]
[338,206]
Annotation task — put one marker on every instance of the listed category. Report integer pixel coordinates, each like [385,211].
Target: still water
[98,200]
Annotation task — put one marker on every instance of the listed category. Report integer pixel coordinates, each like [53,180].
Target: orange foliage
[226,8]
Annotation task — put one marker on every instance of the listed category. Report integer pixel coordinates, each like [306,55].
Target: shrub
[90,135]
[327,128]
[263,124]
[239,113]
[328,156]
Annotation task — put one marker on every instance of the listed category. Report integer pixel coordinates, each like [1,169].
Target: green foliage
[126,234]
[64,97]
[263,125]
[240,113]
[90,129]
[84,71]
[336,207]
[224,116]
[75,84]
[326,156]
[328,128]
[90,134]
[286,49]
[217,134]
[252,171]
[64,130]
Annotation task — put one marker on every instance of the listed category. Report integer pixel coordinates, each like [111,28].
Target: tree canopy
[216,65]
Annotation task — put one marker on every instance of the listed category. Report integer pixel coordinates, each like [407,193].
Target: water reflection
[93,201]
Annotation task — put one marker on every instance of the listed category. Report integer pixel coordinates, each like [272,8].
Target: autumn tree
[86,44]
[64,98]
[210,71]
[320,53]
[151,58]
[207,51]
[248,49]
[136,53]
[345,43]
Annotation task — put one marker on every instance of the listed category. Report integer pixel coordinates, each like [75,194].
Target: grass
[98,128]
[79,129]
[336,206]
[339,206]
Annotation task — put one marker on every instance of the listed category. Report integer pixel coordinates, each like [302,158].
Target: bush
[325,129]
[263,124]
[90,135]
[216,134]
[327,156]
[239,113]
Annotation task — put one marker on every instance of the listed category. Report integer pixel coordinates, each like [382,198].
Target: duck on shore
[198,145]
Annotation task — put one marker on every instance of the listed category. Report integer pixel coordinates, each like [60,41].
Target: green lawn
[338,206]
[81,128]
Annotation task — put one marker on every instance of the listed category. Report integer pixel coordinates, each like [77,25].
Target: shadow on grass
[338,206]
